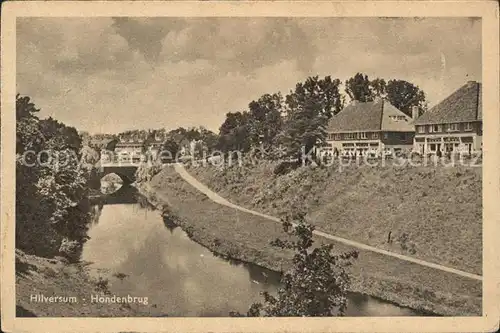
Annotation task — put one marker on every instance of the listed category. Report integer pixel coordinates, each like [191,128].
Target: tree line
[298,120]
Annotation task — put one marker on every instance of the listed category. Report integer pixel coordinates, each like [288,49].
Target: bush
[315,285]
[285,167]
[70,249]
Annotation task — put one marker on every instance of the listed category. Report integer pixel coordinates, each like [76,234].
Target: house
[129,151]
[370,127]
[154,149]
[453,125]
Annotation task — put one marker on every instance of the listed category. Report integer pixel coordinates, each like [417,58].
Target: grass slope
[433,214]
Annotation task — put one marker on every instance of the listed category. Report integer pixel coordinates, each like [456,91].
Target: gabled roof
[370,116]
[463,105]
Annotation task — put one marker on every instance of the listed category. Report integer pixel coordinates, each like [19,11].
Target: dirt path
[220,200]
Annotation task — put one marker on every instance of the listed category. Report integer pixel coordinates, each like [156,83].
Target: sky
[107,75]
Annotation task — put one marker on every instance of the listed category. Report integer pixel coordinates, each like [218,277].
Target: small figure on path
[389,237]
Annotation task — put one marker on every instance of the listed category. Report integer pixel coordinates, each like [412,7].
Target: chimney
[414,112]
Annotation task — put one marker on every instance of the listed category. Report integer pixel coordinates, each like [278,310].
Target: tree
[358,88]
[169,151]
[234,133]
[59,136]
[265,119]
[52,209]
[378,88]
[209,138]
[317,282]
[404,95]
[310,106]
[400,93]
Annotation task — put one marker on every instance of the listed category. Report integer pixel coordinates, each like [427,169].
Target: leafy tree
[310,106]
[51,193]
[234,133]
[265,119]
[169,151]
[400,93]
[317,282]
[378,88]
[209,138]
[59,136]
[358,88]
[404,95]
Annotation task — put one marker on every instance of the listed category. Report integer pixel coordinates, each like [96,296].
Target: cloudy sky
[113,74]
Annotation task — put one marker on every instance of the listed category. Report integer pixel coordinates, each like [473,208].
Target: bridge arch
[126,173]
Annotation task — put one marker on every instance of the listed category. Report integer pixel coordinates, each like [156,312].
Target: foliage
[404,95]
[358,88]
[400,93]
[169,152]
[265,119]
[51,185]
[234,133]
[316,284]
[309,107]
[146,171]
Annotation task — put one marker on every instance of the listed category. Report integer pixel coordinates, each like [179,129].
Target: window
[338,137]
[375,135]
[397,118]
[363,135]
[386,135]
[349,136]
[452,127]
[468,127]
[421,129]
[435,128]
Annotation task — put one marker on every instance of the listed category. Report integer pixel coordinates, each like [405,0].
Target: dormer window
[397,118]
[468,127]
[453,127]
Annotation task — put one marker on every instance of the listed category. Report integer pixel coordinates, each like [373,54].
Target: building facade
[454,125]
[129,151]
[373,128]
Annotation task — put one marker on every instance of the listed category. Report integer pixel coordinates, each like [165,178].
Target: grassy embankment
[246,237]
[434,214]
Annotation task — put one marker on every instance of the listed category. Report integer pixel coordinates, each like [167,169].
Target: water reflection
[147,255]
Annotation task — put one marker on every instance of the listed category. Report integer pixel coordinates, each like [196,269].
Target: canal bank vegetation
[52,187]
[316,285]
[53,212]
[246,237]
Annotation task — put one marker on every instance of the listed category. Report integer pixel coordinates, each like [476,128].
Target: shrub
[315,285]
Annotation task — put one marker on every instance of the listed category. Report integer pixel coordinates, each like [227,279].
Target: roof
[463,105]
[129,144]
[370,116]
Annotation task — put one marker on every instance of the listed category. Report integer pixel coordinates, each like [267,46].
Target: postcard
[237,166]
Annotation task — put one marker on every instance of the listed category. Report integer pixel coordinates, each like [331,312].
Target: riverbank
[432,213]
[246,237]
[38,279]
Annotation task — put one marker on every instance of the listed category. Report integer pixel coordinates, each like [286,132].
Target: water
[178,276]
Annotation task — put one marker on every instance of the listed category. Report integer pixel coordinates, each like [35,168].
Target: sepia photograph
[249,165]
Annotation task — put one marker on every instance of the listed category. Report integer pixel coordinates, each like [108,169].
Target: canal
[142,255]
